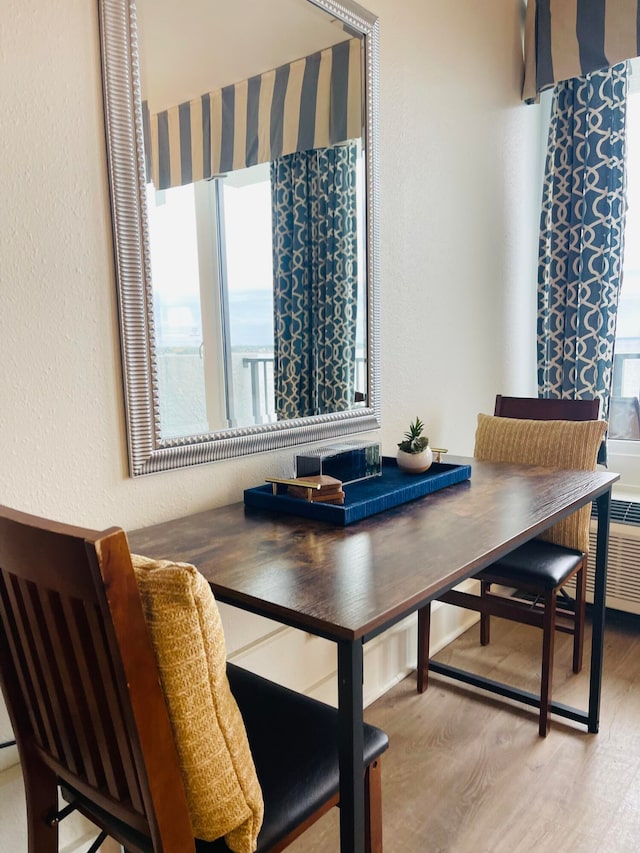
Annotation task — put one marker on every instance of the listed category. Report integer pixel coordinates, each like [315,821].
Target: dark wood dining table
[349,584]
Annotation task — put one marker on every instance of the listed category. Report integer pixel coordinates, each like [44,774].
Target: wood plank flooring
[467,773]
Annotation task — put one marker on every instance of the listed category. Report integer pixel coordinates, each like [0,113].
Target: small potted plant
[414,454]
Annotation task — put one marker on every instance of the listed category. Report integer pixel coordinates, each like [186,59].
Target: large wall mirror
[242,145]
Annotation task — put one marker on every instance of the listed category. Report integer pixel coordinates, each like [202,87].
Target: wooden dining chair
[550,409]
[528,584]
[86,697]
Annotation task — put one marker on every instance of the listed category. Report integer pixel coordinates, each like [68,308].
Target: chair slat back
[79,674]
[536,409]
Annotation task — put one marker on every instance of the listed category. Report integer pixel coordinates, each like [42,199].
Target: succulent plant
[414,441]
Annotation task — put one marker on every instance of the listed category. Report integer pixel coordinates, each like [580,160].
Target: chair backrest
[535,409]
[572,531]
[80,678]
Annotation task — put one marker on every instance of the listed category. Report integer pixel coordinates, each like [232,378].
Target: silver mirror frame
[148,452]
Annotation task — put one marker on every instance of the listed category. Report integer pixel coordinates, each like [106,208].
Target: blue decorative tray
[365,498]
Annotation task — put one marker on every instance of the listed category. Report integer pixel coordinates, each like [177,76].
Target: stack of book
[317,488]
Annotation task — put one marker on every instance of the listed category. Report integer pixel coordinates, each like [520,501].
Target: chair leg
[548,637]
[41,792]
[373,808]
[424,628]
[578,626]
[485,619]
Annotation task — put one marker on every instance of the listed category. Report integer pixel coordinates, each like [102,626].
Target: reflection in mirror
[216,305]
[256,209]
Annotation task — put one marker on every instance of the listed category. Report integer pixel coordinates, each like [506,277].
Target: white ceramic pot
[415,463]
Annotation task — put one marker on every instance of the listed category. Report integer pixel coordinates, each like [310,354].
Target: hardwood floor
[467,773]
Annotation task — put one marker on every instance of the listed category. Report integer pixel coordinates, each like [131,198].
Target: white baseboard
[9,755]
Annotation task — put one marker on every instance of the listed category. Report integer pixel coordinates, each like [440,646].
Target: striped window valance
[313,102]
[571,38]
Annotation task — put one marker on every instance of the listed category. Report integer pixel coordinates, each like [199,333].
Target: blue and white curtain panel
[314,102]
[571,38]
[582,236]
[315,262]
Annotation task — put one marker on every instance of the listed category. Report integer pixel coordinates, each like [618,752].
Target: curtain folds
[314,211]
[582,236]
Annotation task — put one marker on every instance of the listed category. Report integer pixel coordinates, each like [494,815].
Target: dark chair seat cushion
[294,743]
[534,565]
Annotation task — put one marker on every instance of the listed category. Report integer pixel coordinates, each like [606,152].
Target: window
[177,310]
[624,417]
[246,282]
[213,302]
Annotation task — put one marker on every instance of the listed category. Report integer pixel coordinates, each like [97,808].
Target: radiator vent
[623,564]
[623,512]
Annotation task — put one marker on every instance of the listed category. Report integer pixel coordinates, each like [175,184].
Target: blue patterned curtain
[314,210]
[582,236]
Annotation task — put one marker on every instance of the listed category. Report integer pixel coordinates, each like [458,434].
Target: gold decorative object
[318,488]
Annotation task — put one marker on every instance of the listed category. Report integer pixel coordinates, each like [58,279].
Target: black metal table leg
[600,587]
[351,746]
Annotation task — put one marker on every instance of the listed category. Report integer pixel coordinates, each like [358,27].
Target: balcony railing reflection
[262,394]
[262,386]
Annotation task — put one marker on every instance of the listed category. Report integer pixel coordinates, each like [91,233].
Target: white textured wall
[459,159]
[458,199]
